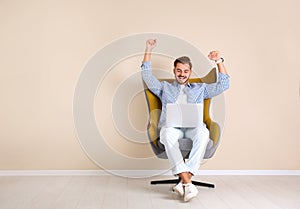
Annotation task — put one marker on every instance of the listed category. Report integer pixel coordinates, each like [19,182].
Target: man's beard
[182,79]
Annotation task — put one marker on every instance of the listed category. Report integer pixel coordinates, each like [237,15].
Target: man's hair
[183,60]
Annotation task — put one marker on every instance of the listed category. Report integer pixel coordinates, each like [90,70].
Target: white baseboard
[140,173]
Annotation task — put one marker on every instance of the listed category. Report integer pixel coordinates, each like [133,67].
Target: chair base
[176,181]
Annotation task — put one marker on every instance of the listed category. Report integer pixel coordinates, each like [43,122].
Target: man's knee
[168,135]
[200,134]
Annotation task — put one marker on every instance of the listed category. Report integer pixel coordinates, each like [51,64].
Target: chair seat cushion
[185,146]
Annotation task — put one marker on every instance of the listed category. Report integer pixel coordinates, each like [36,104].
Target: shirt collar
[177,84]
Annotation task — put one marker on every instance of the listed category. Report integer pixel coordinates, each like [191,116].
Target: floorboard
[112,192]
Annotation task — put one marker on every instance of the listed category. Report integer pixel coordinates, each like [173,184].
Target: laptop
[184,115]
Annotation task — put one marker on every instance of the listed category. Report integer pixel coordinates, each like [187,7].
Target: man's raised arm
[151,81]
[150,44]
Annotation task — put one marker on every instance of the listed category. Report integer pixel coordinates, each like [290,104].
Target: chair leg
[167,181]
[176,181]
[203,184]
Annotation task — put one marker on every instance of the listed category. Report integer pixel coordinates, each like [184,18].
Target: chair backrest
[154,107]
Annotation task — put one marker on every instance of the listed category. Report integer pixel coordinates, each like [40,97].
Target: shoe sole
[189,197]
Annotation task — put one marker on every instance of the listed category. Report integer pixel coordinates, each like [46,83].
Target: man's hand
[214,55]
[150,44]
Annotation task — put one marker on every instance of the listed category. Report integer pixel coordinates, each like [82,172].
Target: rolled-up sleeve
[151,81]
[217,88]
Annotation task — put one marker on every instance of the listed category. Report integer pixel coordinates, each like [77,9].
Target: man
[181,91]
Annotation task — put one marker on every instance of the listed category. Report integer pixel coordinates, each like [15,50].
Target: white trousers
[169,137]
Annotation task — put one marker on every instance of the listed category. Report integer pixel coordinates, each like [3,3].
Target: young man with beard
[182,92]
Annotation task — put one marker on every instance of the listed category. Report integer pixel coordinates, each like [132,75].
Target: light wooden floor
[111,192]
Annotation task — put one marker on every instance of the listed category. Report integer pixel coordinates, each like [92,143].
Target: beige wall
[45,45]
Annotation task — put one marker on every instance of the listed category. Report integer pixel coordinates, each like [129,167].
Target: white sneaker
[190,191]
[178,188]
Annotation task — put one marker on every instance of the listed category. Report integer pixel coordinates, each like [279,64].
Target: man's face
[182,73]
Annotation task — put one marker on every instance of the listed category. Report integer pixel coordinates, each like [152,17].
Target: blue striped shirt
[169,92]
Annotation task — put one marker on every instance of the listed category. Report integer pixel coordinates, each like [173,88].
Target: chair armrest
[214,135]
[214,132]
